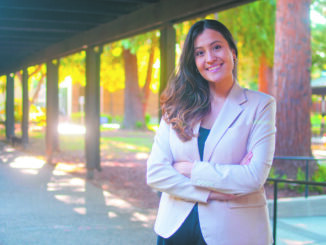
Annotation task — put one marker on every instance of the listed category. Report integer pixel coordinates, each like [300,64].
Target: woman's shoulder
[257,95]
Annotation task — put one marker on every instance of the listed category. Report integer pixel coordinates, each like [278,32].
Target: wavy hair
[186,100]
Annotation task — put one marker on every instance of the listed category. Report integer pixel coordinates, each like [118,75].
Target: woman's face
[213,57]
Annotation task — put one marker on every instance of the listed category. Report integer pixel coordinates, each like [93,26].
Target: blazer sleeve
[234,178]
[163,177]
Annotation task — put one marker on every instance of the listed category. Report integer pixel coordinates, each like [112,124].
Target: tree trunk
[37,91]
[146,88]
[133,113]
[265,76]
[292,61]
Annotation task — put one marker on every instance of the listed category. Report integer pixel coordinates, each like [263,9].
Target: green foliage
[282,185]
[73,66]
[135,42]
[318,35]
[69,143]
[319,176]
[139,125]
[254,32]
[3,80]
[274,175]
[112,62]
[77,117]
[315,120]
[37,115]
[112,74]
[109,117]
[147,119]
[132,143]
[117,119]
[301,175]
[253,28]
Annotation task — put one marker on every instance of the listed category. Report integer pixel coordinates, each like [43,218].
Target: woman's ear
[234,55]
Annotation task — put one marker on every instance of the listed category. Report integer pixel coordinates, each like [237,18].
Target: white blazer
[246,123]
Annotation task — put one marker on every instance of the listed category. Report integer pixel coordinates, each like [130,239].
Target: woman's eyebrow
[212,43]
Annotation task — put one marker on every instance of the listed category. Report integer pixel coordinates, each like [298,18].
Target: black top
[203,134]
[190,229]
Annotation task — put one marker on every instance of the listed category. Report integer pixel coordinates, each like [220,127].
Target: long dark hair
[186,100]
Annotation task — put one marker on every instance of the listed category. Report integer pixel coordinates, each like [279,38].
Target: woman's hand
[183,168]
[247,158]
[219,196]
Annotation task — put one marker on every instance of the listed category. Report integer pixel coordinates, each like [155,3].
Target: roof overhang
[125,19]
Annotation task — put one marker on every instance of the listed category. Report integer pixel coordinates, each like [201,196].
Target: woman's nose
[210,57]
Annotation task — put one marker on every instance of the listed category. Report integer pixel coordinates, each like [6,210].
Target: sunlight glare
[304,226]
[111,200]
[111,125]
[61,166]
[71,129]
[70,199]
[30,171]
[112,215]
[136,216]
[293,242]
[59,173]
[80,210]
[26,162]
[78,185]
[317,18]
[9,149]
[142,156]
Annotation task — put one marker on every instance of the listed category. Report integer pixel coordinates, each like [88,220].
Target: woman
[213,150]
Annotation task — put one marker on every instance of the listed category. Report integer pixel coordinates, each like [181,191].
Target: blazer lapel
[229,113]
[195,142]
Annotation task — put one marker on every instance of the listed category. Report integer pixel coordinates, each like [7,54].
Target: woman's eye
[199,53]
[217,47]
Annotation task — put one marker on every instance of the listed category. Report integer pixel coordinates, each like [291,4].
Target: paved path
[302,231]
[43,205]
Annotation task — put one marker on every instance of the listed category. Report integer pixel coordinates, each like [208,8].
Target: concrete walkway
[40,204]
[301,231]
[45,205]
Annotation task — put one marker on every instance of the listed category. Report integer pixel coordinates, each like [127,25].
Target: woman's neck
[219,91]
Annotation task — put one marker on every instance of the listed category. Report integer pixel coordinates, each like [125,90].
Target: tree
[135,98]
[318,37]
[133,113]
[252,26]
[291,87]
[38,73]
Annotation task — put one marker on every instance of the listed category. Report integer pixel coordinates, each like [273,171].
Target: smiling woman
[213,149]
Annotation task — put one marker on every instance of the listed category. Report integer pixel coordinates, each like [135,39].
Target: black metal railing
[307,160]
[305,182]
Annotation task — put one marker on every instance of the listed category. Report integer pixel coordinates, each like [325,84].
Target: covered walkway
[41,204]
[38,32]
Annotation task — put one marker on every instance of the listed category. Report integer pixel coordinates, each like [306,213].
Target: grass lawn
[113,144]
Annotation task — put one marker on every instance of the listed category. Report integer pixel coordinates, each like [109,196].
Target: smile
[214,68]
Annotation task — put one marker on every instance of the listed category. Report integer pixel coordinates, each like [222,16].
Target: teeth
[213,67]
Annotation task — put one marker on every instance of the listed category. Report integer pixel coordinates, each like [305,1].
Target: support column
[92,110]
[167,50]
[25,109]
[10,120]
[52,109]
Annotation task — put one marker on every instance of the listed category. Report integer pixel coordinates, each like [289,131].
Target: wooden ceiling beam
[145,19]
[63,6]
